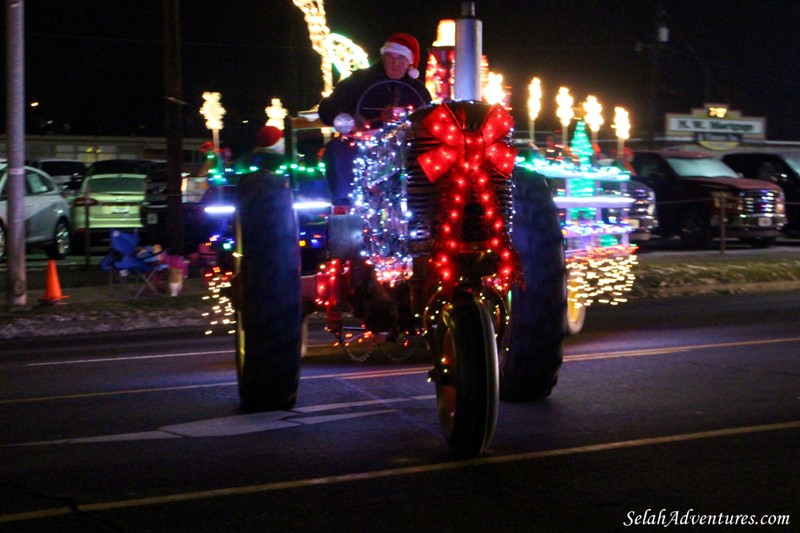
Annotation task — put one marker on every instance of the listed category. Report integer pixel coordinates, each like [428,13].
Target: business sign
[716,127]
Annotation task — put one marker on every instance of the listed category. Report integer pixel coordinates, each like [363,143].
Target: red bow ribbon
[472,148]
[470,158]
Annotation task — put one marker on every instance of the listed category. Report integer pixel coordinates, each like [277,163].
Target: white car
[111,201]
[47,217]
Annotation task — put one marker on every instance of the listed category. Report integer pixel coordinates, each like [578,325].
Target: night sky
[96,65]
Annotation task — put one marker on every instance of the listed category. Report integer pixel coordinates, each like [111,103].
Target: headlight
[303,205]
[219,209]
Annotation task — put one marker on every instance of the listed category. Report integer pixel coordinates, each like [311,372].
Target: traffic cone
[52,291]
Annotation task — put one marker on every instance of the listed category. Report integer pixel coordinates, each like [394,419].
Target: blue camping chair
[126,263]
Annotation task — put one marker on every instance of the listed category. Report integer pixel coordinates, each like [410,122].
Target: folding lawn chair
[127,263]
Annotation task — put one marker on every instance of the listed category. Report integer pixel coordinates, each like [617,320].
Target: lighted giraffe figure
[314,15]
[334,49]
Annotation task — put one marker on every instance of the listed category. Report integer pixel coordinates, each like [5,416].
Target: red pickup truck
[691,189]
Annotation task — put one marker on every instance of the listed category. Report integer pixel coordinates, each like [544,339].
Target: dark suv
[691,188]
[783,169]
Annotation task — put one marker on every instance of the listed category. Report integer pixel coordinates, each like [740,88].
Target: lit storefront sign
[716,127]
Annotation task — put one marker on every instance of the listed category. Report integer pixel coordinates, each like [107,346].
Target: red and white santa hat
[407,46]
[270,138]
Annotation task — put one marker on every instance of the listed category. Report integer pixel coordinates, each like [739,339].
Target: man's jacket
[377,96]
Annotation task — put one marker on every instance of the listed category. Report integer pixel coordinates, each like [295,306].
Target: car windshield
[122,166]
[794,162]
[117,184]
[701,167]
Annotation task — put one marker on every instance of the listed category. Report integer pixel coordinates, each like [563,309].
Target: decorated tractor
[451,239]
[440,243]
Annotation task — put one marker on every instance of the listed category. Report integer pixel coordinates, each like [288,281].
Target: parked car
[196,229]
[782,169]
[113,201]
[47,216]
[642,214]
[124,166]
[691,188]
[63,171]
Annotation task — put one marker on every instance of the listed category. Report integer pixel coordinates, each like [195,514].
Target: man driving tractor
[365,99]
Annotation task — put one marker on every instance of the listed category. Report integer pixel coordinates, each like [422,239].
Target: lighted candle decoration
[276,113]
[213,112]
[623,126]
[534,105]
[564,112]
[493,92]
[593,118]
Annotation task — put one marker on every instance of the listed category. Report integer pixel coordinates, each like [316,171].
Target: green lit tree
[581,145]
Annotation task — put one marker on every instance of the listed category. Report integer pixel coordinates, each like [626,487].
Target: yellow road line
[674,349]
[395,472]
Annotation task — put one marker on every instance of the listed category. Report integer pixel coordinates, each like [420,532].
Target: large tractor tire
[266,294]
[529,369]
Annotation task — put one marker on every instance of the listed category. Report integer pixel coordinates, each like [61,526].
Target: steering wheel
[375,86]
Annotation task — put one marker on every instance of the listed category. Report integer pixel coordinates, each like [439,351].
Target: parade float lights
[534,107]
[439,71]
[564,112]
[594,117]
[600,260]
[622,125]
[213,112]
[493,91]
[335,51]
[276,113]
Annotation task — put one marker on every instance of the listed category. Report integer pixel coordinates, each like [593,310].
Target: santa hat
[407,46]
[270,138]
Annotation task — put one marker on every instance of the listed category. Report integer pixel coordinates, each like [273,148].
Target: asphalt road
[688,410]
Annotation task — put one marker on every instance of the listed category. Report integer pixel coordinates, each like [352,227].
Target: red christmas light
[468,158]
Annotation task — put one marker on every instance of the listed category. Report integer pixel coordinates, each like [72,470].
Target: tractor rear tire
[269,326]
[537,328]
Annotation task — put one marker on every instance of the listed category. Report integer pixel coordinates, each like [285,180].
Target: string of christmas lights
[467,159]
[601,274]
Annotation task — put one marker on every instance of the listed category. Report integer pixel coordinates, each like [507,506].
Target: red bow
[472,148]
[470,159]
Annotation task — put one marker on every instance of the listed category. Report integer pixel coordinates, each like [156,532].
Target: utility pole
[661,37]
[173,99]
[15,127]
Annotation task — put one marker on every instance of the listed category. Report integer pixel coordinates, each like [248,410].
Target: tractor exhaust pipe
[469,51]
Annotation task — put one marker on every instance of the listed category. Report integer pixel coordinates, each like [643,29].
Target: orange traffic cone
[52,291]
